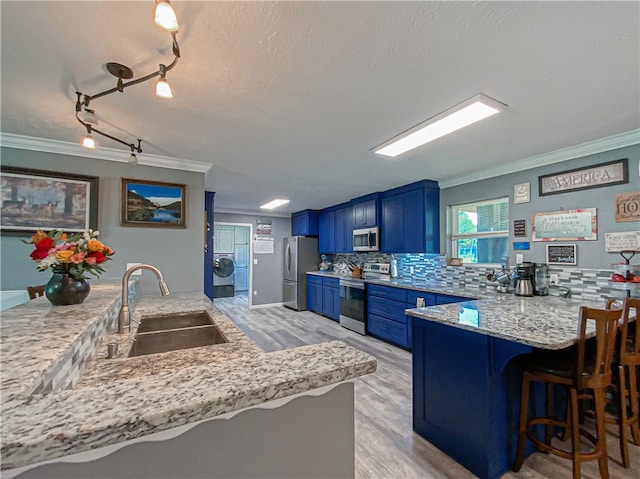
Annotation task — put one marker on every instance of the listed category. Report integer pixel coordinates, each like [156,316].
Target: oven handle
[352,284]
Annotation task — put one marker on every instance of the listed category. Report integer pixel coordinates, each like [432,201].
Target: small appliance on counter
[541,280]
[325,263]
[525,284]
[501,280]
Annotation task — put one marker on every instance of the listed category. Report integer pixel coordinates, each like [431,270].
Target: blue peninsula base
[466,395]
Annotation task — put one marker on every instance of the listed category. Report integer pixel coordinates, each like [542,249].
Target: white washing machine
[223,275]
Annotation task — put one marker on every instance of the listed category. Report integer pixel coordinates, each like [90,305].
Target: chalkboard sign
[561,254]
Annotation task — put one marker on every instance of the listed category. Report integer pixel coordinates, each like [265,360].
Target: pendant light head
[165,17]
[163,90]
[88,141]
[133,159]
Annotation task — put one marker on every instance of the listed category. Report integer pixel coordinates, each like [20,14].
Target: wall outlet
[255,260]
[411,269]
[519,258]
[255,293]
[554,280]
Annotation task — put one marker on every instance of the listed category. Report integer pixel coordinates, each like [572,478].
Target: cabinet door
[298,224]
[314,297]
[364,213]
[331,303]
[326,241]
[387,330]
[392,224]
[413,221]
[338,231]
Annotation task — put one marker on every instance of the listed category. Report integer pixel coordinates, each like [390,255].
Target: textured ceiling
[287,99]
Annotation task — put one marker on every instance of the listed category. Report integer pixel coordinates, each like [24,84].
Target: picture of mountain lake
[153,204]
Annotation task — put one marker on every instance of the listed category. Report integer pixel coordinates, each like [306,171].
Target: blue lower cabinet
[323,296]
[388,330]
[331,298]
[314,293]
[448,298]
[385,314]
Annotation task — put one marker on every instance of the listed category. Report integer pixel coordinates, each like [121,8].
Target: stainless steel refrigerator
[300,255]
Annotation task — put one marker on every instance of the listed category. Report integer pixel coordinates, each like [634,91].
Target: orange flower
[64,256]
[95,245]
[38,236]
[107,251]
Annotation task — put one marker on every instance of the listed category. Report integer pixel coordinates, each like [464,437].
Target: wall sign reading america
[596,176]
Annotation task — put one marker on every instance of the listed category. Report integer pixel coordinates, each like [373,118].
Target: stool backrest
[595,368]
[629,343]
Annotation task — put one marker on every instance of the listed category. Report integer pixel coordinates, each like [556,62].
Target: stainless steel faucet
[124,318]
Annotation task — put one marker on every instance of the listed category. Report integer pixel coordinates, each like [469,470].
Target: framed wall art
[576,225]
[562,254]
[153,204]
[35,200]
[522,193]
[595,176]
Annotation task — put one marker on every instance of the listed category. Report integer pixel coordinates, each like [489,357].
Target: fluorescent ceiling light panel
[274,204]
[464,114]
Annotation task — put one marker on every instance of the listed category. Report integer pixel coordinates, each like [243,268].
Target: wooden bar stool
[626,368]
[586,376]
[35,291]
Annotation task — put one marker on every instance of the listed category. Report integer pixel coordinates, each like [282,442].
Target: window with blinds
[480,231]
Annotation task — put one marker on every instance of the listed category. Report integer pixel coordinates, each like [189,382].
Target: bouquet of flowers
[74,254]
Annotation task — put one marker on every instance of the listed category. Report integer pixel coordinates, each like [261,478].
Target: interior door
[241,253]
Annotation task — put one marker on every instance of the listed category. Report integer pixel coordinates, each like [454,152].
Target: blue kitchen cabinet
[331,298]
[335,232]
[411,218]
[365,211]
[385,314]
[305,223]
[314,293]
[326,232]
[323,296]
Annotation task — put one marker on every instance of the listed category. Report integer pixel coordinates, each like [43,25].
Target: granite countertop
[126,398]
[548,322]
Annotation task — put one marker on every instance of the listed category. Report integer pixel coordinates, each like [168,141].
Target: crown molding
[260,213]
[10,140]
[577,151]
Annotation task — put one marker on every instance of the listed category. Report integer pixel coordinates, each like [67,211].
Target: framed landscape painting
[35,200]
[153,204]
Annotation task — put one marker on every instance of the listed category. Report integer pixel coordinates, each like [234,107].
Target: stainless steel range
[353,298]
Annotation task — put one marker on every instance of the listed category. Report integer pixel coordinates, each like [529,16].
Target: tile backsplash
[589,284]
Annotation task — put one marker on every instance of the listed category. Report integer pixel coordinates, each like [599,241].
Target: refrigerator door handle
[288,258]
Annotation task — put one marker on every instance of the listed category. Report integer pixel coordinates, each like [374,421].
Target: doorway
[232,260]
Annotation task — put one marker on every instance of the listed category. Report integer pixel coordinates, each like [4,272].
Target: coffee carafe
[526,279]
[541,283]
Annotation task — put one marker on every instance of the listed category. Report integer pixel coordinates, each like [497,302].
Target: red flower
[100,258]
[38,254]
[45,244]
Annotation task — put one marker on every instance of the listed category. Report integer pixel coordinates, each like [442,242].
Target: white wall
[178,253]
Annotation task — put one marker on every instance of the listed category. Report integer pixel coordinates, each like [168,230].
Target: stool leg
[522,423]
[574,416]
[634,398]
[623,415]
[549,413]
[601,443]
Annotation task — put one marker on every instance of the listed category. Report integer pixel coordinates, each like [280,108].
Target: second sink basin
[150,324]
[174,339]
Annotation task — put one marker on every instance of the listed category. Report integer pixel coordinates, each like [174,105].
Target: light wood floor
[386,446]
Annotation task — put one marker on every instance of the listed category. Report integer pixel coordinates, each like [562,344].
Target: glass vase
[63,289]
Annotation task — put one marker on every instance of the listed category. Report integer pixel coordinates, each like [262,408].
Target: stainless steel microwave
[366,239]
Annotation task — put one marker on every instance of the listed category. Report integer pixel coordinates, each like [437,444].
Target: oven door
[352,306]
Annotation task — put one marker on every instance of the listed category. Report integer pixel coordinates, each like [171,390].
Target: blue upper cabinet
[335,229]
[411,218]
[305,223]
[326,240]
[365,211]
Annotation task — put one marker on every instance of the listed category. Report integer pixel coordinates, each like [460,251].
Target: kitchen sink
[150,324]
[159,334]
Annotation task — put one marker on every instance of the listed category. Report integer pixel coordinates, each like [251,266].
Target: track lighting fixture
[164,17]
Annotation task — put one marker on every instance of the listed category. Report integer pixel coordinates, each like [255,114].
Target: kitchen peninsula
[466,375]
[227,407]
